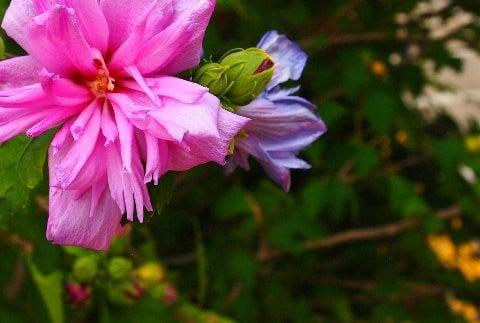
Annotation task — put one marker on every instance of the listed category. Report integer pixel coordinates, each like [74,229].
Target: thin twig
[367,234]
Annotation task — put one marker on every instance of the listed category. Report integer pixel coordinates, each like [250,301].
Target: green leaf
[51,291]
[405,200]
[380,110]
[21,167]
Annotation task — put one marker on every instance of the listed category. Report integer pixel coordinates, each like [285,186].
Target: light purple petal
[289,58]
[286,125]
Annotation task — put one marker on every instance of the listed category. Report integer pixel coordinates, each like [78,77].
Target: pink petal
[74,160]
[179,46]
[204,148]
[59,44]
[171,87]
[128,189]
[125,132]
[71,222]
[20,123]
[122,17]
[78,127]
[19,71]
[137,76]
[198,119]
[109,128]
[157,157]
[92,22]
[61,137]
[54,118]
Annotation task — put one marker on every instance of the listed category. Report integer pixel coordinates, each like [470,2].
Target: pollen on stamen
[102,83]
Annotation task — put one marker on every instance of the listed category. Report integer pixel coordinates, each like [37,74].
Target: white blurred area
[461,95]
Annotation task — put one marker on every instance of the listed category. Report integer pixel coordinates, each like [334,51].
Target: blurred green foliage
[346,245]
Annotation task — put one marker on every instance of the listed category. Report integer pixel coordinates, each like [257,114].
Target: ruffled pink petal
[125,133]
[157,156]
[72,164]
[109,127]
[54,118]
[198,120]
[92,23]
[30,96]
[19,71]
[127,189]
[59,44]
[179,46]
[91,20]
[93,169]
[171,87]
[203,149]
[19,123]
[122,17]
[71,221]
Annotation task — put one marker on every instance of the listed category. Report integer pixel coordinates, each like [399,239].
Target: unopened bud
[249,72]
[85,269]
[78,295]
[166,293]
[150,274]
[119,268]
[127,293]
[213,76]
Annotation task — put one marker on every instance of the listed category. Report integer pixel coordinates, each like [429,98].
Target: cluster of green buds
[126,283]
[123,283]
[239,77]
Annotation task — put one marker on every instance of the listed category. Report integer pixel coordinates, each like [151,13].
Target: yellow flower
[444,248]
[150,274]
[467,310]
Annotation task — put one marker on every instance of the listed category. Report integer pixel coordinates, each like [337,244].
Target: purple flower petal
[289,58]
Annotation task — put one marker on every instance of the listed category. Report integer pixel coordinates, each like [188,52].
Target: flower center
[103,83]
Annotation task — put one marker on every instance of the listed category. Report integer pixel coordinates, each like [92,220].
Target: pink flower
[104,71]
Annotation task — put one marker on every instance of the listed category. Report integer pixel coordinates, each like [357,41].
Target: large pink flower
[104,71]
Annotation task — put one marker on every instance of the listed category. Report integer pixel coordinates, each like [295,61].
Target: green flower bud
[213,76]
[85,269]
[2,48]
[119,268]
[249,72]
[126,293]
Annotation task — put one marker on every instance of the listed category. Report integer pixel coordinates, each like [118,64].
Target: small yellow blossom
[444,249]
[468,311]
[150,274]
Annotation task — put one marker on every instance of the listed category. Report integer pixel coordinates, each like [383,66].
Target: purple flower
[282,124]
[104,71]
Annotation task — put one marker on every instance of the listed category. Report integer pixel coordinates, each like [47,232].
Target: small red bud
[136,292]
[170,296]
[77,295]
